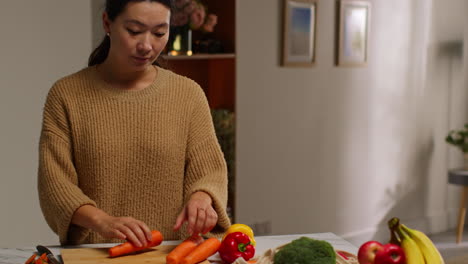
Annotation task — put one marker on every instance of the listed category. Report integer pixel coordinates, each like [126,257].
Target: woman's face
[138,34]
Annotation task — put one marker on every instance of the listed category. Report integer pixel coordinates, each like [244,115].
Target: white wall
[97,7]
[41,41]
[331,149]
[446,87]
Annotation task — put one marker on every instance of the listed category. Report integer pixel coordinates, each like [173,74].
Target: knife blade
[42,249]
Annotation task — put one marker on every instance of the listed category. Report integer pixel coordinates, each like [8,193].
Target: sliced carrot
[202,251]
[31,259]
[182,250]
[252,261]
[127,247]
[44,257]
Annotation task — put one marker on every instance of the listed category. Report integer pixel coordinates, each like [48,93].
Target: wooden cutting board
[155,255]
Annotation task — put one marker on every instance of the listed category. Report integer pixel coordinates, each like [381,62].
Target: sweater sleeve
[206,168]
[59,193]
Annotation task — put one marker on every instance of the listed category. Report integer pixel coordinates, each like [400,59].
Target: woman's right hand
[129,228]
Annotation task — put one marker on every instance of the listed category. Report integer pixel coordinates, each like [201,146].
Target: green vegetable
[306,250]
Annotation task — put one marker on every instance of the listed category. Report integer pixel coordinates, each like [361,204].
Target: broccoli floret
[306,250]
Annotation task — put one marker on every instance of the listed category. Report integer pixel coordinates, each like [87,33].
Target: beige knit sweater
[130,153]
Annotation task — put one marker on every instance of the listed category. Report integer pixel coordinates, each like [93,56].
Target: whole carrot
[44,257]
[182,250]
[128,247]
[31,259]
[202,251]
[40,260]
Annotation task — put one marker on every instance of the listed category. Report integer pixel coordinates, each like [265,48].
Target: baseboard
[431,224]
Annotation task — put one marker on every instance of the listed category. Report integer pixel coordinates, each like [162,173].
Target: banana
[394,239]
[412,251]
[428,249]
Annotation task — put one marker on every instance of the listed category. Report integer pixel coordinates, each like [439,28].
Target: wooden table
[460,177]
[19,255]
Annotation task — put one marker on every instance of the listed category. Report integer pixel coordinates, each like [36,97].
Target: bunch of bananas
[418,248]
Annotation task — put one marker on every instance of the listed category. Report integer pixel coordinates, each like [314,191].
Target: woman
[126,146]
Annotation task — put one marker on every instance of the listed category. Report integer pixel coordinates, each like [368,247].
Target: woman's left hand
[199,215]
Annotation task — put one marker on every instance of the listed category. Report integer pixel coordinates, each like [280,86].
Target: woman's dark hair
[113,9]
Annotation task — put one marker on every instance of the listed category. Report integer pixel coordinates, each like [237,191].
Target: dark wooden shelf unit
[214,72]
[215,76]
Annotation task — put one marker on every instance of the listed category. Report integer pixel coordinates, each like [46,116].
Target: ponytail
[99,55]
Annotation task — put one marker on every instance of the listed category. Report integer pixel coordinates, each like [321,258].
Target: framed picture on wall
[299,26]
[353,32]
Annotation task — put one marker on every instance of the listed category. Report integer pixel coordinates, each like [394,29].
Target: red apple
[390,254]
[368,251]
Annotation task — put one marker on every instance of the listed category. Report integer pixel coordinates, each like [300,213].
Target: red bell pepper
[236,245]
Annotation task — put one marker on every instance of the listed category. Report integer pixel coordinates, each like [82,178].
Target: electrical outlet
[261,228]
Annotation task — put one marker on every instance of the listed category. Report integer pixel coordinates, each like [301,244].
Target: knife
[42,249]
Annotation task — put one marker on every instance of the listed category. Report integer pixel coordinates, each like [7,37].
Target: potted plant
[459,139]
[224,124]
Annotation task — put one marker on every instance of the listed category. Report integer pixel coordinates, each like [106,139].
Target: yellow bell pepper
[243,229]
